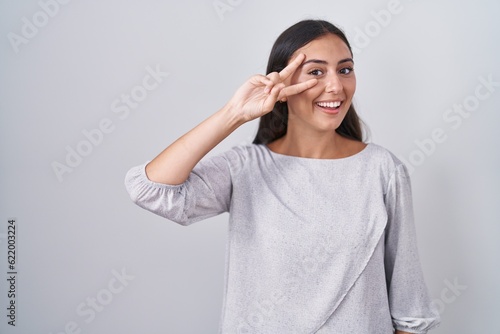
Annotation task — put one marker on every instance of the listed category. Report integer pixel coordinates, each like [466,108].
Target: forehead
[325,47]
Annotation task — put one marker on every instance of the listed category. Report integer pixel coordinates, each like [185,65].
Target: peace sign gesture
[254,98]
[257,96]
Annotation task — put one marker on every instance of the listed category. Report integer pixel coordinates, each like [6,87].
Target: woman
[321,232]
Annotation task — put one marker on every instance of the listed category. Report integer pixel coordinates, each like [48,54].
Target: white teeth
[329,104]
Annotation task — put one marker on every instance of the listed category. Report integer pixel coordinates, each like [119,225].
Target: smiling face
[322,107]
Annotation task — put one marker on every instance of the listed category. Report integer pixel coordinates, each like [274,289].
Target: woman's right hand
[258,95]
[255,98]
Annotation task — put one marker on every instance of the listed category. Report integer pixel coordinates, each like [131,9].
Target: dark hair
[273,125]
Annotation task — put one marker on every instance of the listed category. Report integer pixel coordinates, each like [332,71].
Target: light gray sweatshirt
[314,245]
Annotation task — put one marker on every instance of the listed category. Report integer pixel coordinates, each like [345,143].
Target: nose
[333,84]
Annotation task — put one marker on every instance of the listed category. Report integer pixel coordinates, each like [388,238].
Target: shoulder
[242,155]
[383,156]
[391,167]
[242,152]
[386,162]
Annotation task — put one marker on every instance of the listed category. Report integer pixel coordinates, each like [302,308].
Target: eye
[346,70]
[315,72]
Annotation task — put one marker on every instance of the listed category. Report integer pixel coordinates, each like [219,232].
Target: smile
[329,105]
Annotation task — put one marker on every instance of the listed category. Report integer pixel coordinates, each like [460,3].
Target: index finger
[290,68]
[297,88]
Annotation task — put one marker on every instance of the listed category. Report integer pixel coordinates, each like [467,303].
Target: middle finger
[290,68]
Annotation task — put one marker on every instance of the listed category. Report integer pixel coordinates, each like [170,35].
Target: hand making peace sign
[257,96]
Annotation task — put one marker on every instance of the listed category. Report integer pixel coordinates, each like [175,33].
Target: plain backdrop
[90,261]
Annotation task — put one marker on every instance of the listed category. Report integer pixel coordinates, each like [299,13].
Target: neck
[327,145]
[316,145]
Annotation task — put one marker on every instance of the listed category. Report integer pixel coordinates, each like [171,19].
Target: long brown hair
[273,125]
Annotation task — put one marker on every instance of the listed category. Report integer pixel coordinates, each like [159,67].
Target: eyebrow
[324,62]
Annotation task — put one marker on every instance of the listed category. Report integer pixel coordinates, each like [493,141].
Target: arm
[181,187]
[175,163]
[409,301]
[252,100]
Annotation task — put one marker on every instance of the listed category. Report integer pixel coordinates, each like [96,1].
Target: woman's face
[324,106]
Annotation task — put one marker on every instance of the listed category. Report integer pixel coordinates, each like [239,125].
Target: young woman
[321,232]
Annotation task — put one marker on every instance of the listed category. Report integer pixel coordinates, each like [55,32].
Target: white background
[74,232]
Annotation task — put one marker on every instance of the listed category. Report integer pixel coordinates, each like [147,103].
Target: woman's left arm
[409,301]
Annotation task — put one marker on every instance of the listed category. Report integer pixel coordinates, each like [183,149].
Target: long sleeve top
[314,245]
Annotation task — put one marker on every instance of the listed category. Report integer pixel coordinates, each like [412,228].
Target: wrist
[231,117]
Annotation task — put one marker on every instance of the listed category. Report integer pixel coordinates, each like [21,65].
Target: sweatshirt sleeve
[409,301]
[205,193]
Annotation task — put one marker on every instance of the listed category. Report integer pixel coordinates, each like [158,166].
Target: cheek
[350,86]
[306,96]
